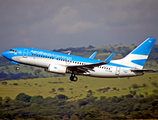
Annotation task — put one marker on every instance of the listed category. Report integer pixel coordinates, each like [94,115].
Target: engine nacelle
[55,68]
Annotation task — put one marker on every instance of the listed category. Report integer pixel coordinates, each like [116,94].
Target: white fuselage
[103,71]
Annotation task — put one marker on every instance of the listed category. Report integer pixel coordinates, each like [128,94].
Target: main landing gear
[73,77]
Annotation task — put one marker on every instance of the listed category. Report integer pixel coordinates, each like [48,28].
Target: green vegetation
[37,107]
[77,90]
[89,98]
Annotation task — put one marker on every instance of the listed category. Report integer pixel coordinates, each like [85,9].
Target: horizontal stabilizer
[143,71]
[110,57]
[93,55]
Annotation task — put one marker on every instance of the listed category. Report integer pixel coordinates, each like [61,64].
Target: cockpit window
[13,50]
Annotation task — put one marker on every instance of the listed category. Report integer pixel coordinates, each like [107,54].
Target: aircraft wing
[143,71]
[84,68]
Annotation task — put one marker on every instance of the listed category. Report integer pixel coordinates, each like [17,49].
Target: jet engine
[55,68]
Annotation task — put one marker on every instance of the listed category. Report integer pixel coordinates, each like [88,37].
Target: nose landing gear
[18,68]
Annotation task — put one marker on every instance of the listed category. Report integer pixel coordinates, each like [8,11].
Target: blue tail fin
[137,58]
[145,47]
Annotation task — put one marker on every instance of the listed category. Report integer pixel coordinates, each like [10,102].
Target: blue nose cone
[4,53]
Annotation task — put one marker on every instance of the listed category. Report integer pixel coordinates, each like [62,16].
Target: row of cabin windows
[71,61]
[104,68]
[42,56]
[66,60]
[57,59]
[81,63]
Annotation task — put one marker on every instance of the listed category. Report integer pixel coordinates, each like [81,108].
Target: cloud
[69,22]
[76,28]
[57,24]
[66,15]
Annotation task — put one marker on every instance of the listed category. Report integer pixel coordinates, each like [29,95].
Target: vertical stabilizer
[137,58]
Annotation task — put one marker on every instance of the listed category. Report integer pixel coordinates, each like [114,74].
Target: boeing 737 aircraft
[130,65]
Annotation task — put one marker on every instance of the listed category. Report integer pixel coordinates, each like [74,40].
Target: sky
[55,24]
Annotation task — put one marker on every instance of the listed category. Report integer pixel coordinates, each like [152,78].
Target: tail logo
[139,62]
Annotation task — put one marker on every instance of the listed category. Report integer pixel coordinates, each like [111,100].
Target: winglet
[110,57]
[93,55]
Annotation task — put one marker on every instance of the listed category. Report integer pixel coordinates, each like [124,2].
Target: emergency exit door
[25,53]
[117,70]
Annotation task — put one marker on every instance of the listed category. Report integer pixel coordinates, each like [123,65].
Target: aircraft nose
[4,53]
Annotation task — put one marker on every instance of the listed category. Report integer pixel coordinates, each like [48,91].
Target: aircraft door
[25,53]
[117,70]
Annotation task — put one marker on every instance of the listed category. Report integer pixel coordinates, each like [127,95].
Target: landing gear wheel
[73,78]
[17,68]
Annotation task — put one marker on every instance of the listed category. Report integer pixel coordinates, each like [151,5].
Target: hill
[84,86]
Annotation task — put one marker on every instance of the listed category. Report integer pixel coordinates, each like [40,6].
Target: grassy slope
[44,85]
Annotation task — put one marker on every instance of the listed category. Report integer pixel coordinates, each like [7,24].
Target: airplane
[60,63]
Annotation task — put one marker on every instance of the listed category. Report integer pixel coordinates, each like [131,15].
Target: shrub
[135,86]
[15,83]
[4,83]
[61,96]
[71,89]
[102,97]
[7,99]
[133,92]
[103,90]
[155,91]
[154,84]
[144,85]
[114,88]
[82,102]
[37,99]
[23,97]
[61,89]
[53,90]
